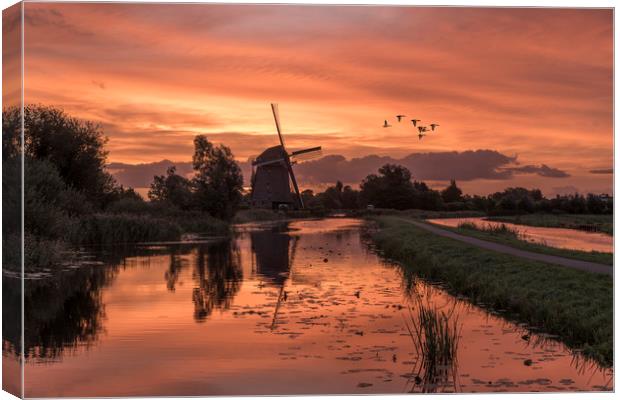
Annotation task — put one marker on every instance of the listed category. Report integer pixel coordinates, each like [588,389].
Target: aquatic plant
[435,336]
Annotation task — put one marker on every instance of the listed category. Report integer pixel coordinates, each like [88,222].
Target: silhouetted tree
[452,193]
[218,181]
[392,188]
[173,189]
[350,198]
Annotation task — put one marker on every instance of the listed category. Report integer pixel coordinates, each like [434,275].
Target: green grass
[599,223]
[510,237]
[576,305]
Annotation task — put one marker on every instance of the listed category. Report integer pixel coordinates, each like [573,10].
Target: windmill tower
[272,173]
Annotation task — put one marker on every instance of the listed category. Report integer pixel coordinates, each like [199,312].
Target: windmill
[272,173]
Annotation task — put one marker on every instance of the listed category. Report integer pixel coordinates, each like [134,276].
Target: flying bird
[385,124]
[400,116]
[415,121]
[433,126]
[421,135]
[422,129]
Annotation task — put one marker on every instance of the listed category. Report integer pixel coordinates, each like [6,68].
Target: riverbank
[577,306]
[511,238]
[587,222]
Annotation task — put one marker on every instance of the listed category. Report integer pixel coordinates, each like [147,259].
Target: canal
[284,308]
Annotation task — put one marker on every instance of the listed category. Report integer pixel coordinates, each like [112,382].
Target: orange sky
[536,83]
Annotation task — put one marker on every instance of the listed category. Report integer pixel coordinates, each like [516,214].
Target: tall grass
[497,229]
[122,228]
[435,337]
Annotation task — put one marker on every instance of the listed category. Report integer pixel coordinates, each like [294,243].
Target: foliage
[392,188]
[218,181]
[452,193]
[173,189]
[74,147]
[122,228]
[576,305]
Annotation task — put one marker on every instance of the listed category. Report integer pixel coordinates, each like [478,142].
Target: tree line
[393,188]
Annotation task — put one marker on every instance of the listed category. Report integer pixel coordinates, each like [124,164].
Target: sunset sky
[532,86]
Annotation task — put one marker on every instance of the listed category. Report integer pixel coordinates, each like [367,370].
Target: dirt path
[500,248]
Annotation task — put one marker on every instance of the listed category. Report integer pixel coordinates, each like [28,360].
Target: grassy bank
[576,305]
[588,222]
[511,238]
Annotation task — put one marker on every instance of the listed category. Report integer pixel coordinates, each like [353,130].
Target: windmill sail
[287,159]
[276,117]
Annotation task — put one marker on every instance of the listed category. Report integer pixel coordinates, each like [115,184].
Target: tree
[452,193]
[332,196]
[173,189]
[218,181]
[350,198]
[392,188]
[75,148]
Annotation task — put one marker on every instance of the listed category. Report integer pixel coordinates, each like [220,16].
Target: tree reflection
[218,276]
[60,313]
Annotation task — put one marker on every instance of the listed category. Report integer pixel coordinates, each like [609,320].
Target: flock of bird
[421,128]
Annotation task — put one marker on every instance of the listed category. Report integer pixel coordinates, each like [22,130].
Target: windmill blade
[310,150]
[291,262]
[300,201]
[307,154]
[274,109]
[260,164]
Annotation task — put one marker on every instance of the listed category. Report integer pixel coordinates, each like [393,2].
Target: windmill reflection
[274,255]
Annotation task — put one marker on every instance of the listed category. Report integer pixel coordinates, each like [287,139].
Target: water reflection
[218,278]
[300,307]
[272,256]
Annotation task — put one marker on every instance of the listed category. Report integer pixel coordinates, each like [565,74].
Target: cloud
[542,170]
[602,171]
[439,166]
[141,175]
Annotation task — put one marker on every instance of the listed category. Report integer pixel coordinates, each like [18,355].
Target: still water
[553,237]
[288,308]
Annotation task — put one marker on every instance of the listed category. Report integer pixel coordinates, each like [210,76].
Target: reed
[435,337]
[497,229]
